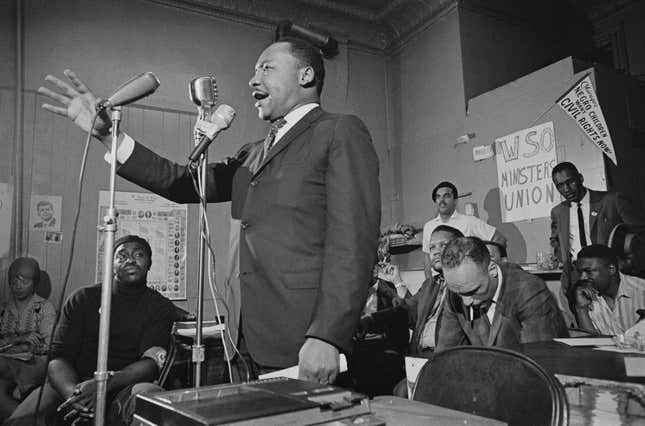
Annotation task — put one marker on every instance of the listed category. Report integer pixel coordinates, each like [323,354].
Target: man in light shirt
[606,299]
[305,204]
[444,195]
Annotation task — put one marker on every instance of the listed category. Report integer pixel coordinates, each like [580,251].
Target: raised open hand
[79,104]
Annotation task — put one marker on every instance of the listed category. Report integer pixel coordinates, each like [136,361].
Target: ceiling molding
[359,24]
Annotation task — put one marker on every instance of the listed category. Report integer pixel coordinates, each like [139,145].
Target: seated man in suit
[584,217]
[490,304]
[606,299]
[424,307]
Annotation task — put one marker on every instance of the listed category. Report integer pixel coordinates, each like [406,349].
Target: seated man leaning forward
[140,324]
[490,304]
[26,323]
[606,299]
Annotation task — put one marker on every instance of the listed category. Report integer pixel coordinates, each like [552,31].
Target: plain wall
[429,94]
[106,43]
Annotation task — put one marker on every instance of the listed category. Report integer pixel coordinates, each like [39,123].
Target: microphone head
[132,90]
[223,116]
[203,91]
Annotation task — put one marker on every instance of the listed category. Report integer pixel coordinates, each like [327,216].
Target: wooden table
[598,389]
[581,362]
[400,411]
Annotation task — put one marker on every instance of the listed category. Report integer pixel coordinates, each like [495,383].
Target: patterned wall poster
[163,224]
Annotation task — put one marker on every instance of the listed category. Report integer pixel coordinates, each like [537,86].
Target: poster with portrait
[6,198]
[163,224]
[45,212]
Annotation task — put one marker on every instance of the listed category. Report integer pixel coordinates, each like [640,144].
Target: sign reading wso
[524,163]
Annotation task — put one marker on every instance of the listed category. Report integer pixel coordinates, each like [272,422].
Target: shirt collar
[500,278]
[621,289]
[296,114]
[454,215]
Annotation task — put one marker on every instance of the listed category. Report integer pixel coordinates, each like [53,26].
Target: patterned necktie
[268,143]
[581,227]
[270,139]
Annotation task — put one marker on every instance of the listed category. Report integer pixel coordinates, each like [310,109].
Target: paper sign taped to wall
[581,104]
[483,152]
[524,163]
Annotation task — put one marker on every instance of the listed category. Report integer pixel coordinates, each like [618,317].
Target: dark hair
[20,261]
[44,203]
[457,250]
[456,233]
[565,165]
[599,251]
[501,247]
[307,55]
[134,239]
[445,184]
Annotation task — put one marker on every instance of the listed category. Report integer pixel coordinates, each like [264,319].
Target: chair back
[495,383]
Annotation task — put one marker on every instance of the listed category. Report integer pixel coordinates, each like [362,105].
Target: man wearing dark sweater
[140,323]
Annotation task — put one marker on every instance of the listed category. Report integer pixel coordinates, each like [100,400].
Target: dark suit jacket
[418,307]
[421,304]
[526,312]
[606,210]
[310,217]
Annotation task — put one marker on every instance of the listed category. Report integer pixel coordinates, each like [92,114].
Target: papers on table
[635,366]
[620,350]
[292,372]
[587,341]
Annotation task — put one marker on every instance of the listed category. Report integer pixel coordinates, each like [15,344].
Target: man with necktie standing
[490,304]
[584,217]
[305,204]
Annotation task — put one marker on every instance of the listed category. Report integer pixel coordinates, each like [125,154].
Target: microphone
[222,118]
[203,92]
[132,90]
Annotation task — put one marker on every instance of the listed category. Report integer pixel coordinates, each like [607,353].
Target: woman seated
[26,323]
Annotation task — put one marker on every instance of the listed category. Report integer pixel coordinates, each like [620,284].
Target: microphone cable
[197,185]
[68,267]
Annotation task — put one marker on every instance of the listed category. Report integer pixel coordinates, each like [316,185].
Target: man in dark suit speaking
[307,204]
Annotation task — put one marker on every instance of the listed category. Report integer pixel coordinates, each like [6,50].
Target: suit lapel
[426,302]
[563,229]
[499,307]
[291,134]
[595,205]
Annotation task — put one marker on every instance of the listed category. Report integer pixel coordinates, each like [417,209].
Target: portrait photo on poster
[53,237]
[45,212]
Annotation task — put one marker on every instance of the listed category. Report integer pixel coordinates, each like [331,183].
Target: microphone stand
[198,355]
[109,227]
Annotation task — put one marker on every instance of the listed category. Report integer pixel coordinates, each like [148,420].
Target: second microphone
[219,120]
